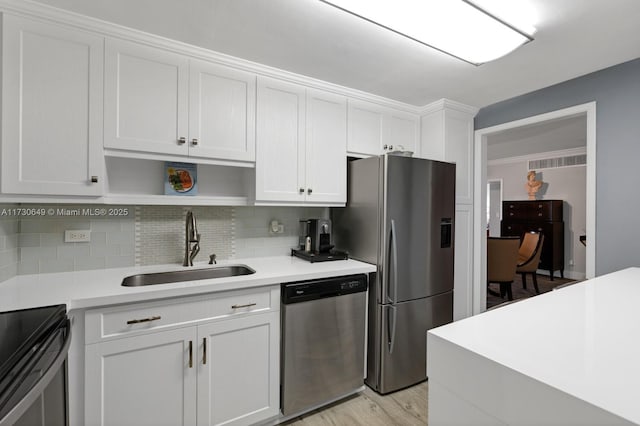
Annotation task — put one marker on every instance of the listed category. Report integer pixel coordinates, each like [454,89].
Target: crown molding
[40,11]
[449,104]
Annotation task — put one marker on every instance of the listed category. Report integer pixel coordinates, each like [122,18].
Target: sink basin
[187,275]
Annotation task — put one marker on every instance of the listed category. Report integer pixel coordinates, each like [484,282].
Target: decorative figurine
[532,185]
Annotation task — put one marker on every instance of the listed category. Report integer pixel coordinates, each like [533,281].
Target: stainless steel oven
[33,367]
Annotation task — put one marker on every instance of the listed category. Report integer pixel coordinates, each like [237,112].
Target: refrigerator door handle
[391,327]
[394,255]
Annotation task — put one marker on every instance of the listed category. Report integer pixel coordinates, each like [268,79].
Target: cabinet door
[222,105]
[143,380]
[326,148]
[280,147]
[51,109]
[239,382]
[146,99]
[364,129]
[400,131]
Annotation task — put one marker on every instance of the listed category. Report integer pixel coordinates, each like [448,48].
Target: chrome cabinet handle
[149,319]
[194,141]
[182,140]
[190,354]
[204,350]
[94,179]
[243,306]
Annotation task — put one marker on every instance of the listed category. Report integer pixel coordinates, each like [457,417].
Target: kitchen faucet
[191,236]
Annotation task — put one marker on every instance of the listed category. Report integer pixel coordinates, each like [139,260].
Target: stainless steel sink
[187,275]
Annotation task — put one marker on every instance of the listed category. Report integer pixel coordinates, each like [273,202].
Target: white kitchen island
[570,356]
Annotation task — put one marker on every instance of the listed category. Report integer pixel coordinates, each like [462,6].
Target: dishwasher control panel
[327,287]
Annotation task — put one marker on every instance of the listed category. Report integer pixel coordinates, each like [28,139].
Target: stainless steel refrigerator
[400,217]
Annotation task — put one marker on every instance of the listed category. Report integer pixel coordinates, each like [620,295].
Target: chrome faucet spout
[191,236]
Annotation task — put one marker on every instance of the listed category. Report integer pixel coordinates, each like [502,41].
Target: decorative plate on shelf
[180,178]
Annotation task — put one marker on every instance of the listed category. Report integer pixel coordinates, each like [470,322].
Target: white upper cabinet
[374,130]
[301,145]
[447,135]
[365,129]
[161,102]
[326,143]
[146,99]
[52,80]
[222,105]
[401,131]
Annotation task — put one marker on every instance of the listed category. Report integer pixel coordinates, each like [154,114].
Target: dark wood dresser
[543,216]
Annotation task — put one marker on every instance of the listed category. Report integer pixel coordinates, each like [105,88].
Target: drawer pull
[149,319]
[204,350]
[190,354]
[243,306]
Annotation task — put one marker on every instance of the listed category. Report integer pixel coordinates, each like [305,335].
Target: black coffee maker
[315,235]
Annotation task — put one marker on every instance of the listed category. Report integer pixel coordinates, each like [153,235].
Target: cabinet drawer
[514,210]
[546,210]
[126,320]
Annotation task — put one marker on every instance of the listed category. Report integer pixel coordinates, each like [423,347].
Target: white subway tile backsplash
[88,263]
[27,267]
[148,235]
[29,240]
[73,250]
[120,261]
[55,265]
[38,253]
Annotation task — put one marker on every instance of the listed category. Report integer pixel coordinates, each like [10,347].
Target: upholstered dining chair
[502,260]
[529,257]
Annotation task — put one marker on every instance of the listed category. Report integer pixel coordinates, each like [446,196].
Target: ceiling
[573,38]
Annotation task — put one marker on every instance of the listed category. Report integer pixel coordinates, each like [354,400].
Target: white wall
[568,184]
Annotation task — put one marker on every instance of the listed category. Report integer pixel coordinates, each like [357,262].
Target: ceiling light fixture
[458,28]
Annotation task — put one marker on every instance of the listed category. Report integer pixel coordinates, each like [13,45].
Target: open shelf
[141,181]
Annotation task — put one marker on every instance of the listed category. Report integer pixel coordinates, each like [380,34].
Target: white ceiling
[573,38]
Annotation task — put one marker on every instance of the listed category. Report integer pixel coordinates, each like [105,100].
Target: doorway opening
[483,189]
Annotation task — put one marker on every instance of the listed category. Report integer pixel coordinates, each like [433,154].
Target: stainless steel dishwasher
[323,341]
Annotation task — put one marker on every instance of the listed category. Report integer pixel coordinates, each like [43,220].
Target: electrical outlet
[275,227]
[77,236]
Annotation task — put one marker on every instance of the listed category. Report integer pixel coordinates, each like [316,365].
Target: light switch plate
[77,236]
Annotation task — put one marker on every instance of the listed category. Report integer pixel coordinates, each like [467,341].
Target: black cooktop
[19,330]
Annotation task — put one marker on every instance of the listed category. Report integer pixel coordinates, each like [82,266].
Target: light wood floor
[407,407]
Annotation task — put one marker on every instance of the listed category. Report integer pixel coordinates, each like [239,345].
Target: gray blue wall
[616,91]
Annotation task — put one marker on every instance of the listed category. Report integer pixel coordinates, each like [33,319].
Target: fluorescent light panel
[456,27]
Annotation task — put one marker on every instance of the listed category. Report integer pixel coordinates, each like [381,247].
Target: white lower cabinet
[240,381]
[213,372]
[143,380]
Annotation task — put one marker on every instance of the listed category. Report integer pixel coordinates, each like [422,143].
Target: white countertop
[583,339]
[86,289]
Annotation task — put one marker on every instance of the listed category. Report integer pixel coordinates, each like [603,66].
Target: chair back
[528,246]
[530,251]
[502,258]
